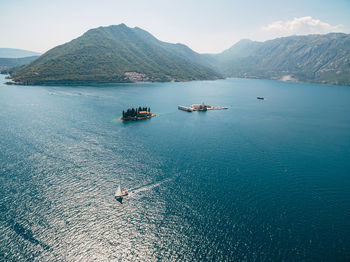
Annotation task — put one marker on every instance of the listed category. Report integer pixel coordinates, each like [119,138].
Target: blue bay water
[262,181]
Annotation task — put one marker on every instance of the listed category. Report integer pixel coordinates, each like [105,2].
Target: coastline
[84,82]
[280,79]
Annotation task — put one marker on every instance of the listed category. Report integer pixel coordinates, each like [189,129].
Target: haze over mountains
[16,53]
[311,58]
[123,54]
[7,63]
[10,57]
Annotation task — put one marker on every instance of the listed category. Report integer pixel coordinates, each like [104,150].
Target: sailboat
[119,194]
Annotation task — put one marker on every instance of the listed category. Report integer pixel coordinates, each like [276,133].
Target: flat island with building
[140,113]
[201,107]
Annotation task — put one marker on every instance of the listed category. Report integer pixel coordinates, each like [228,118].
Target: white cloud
[301,26]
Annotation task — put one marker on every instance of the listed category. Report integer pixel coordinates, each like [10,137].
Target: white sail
[119,192]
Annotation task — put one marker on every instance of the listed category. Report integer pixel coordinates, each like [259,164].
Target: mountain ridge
[118,53]
[310,58]
[106,54]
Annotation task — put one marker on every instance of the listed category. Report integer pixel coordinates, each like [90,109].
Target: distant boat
[260,97]
[119,194]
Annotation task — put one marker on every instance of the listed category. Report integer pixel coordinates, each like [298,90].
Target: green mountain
[115,54]
[16,53]
[241,49]
[123,54]
[7,63]
[312,58]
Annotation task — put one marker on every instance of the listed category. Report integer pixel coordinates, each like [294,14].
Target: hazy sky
[205,26]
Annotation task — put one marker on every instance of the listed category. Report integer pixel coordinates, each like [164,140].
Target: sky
[205,26]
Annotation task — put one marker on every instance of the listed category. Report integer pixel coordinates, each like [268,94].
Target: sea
[264,180]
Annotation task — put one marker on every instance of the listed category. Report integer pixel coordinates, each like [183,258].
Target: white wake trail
[147,187]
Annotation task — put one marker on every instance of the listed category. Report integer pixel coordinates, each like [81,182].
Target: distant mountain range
[123,54]
[311,58]
[7,63]
[16,53]
[10,57]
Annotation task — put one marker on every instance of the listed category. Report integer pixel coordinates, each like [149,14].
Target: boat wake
[147,187]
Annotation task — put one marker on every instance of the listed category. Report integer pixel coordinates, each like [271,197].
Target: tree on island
[134,112]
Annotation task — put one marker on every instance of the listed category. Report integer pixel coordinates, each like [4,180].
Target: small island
[140,113]
[202,107]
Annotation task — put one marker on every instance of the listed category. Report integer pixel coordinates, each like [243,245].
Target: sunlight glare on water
[263,180]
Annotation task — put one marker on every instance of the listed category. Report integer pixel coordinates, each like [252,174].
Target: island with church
[201,107]
[139,113]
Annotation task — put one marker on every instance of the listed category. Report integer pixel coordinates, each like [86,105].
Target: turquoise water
[262,181]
